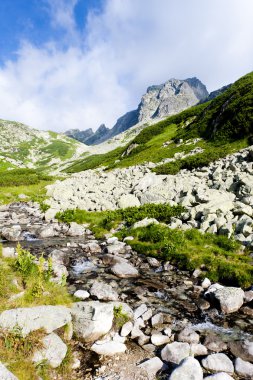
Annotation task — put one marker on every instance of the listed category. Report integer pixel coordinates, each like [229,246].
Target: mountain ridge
[159,101]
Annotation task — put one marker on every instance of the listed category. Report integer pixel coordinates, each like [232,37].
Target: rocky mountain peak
[171,97]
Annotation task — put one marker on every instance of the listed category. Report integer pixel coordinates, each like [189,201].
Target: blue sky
[80,63]
[32,20]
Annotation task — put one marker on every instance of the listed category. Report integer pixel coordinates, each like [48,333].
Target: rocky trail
[135,317]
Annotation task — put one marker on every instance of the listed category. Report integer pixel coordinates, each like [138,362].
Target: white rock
[5,374]
[103,291]
[108,348]
[82,294]
[152,366]
[54,351]
[30,319]
[140,310]
[218,363]
[147,315]
[159,339]
[188,335]
[92,319]
[206,283]
[157,319]
[128,200]
[175,352]
[145,222]
[198,349]
[126,329]
[230,299]
[75,229]
[123,269]
[9,252]
[189,369]
[243,368]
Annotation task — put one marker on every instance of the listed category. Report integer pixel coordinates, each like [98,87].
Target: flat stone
[189,369]
[30,319]
[140,310]
[108,348]
[152,366]
[123,269]
[159,339]
[218,363]
[53,351]
[175,352]
[82,294]
[219,376]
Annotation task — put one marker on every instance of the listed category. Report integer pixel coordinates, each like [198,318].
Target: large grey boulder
[103,291]
[13,233]
[243,368]
[5,374]
[92,319]
[189,369]
[218,363]
[53,351]
[123,269]
[109,348]
[230,299]
[30,319]
[175,352]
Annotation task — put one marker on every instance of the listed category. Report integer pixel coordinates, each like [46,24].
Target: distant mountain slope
[24,147]
[159,101]
[211,129]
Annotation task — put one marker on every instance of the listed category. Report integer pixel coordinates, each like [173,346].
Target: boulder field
[217,198]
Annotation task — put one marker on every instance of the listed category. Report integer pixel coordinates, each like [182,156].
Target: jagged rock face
[159,101]
[80,135]
[98,136]
[170,98]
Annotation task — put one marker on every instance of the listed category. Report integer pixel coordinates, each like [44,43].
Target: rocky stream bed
[174,315]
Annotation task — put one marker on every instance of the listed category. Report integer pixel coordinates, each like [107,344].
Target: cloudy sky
[80,63]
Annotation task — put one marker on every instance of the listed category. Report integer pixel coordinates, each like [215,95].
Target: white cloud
[129,45]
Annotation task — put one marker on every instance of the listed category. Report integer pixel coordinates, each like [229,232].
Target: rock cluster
[130,301]
[218,198]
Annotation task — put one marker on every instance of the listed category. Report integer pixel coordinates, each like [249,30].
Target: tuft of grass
[120,318]
[221,257]
[103,221]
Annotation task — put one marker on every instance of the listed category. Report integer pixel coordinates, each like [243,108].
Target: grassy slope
[225,124]
[28,146]
[23,181]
